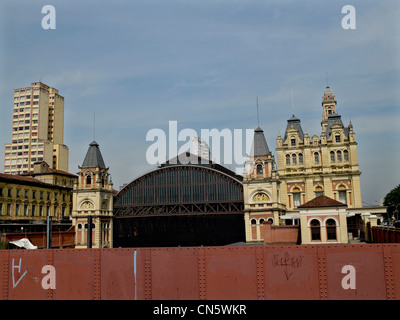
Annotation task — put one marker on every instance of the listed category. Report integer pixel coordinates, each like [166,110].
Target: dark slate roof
[93,157]
[333,119]
[294,122]
[259,146]
[322,201]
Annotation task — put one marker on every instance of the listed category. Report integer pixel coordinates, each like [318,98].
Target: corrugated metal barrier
[370,271]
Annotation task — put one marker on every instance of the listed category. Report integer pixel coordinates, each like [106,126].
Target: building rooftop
[322,201]
[93,158]
[294,122]
[259,146]
[13,178]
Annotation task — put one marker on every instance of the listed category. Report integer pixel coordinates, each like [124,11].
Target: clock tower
[92,213]
[260,188]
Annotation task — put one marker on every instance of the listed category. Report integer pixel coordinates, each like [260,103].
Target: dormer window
[293,142]
[259,169]
[89,179]
[337,138]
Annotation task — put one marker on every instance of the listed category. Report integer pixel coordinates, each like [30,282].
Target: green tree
[392,201]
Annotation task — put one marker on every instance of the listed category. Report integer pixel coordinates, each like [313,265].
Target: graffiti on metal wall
[18,273]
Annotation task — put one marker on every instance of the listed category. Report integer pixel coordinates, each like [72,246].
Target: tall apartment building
[37,130]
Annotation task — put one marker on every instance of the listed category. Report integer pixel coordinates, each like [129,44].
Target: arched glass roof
[181,189]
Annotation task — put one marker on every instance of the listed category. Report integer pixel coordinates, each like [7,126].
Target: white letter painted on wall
[349,280]
[49,20]
[49,280]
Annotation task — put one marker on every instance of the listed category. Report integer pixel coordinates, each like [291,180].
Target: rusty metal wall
[385,235]
[367,271]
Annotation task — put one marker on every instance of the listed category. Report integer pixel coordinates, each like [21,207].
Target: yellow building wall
[32,202]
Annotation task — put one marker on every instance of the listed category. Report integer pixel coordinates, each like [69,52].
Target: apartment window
[33,210]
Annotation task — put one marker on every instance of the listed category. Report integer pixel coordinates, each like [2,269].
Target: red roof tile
[322,201]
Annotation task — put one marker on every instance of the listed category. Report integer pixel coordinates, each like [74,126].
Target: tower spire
[291,92]
[258,114]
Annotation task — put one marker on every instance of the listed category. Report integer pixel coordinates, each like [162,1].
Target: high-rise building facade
[37,130]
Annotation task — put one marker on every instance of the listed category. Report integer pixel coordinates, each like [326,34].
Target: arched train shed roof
[181,189]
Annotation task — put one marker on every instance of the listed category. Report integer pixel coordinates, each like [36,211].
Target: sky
[135,66]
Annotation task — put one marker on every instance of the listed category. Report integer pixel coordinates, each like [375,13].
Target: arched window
[316,157]
[253,222]
[300,158]
[331,229]
[318,191]
[288,160]
[262,221]
[332,156]
[339,156]
[259,169]
[294,159]
[315,230]
[345,155]
[296,197]
[88,179]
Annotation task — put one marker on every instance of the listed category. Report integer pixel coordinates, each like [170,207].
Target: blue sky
[139,64]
